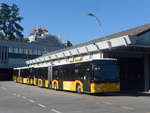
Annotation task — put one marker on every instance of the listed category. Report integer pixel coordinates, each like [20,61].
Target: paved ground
[20,98]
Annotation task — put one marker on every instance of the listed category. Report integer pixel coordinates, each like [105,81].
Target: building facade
[14,53]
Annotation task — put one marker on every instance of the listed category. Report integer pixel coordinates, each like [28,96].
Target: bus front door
[86,81]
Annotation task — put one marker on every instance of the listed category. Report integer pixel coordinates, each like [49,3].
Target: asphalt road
[20,98]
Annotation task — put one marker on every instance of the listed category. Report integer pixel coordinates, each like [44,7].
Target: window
[35,52]
[25,51]
[30,51]
[76,70]
[11,50]
[39,52]
[21,50]
[16,50]
[106,72]
[56,72]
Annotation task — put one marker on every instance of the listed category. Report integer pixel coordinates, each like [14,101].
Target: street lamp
[98,21]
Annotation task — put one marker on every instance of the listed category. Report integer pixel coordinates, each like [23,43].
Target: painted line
[3,88]
[54,110]
[127,108]
[21,87]
[32,101]
[106,103]
[24,97]
[41,105]
[14,94]
[18,95]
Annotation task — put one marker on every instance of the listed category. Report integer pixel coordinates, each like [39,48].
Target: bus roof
[73,62]
[86,61]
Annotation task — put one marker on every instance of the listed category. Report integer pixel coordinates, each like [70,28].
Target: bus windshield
[106,71]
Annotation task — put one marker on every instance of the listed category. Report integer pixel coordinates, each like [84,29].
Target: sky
[68,18]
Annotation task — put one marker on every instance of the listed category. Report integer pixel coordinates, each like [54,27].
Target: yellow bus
[92,76]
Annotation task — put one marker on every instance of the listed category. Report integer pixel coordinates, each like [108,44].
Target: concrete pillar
[50,72]
[146,72]
[19,71]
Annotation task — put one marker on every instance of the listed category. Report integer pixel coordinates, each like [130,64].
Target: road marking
[56,92]
[14,94]
[106,103]
[32,101]
[127,108]
[21,87]
[3,88]
[24,97]
[18,95]
[54,110]
[41,105]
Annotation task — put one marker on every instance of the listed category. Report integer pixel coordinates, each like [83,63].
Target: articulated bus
[21,74]
[93,76]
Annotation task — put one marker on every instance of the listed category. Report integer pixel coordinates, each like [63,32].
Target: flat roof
[131,32]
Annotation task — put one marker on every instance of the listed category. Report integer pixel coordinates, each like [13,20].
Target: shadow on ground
[122,93]
[129,93]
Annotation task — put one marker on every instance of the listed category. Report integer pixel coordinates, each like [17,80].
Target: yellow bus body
[104,87]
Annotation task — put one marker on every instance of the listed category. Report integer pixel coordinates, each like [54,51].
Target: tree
[9,22]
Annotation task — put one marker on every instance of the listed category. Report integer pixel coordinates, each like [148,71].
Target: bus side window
[55,74]
[76,73]
[61,73]
[71,74]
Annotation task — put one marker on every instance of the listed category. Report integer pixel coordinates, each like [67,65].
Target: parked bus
[92,76]
[40,75]
[21,75]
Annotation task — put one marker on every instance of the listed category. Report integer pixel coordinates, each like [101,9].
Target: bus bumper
[105,87]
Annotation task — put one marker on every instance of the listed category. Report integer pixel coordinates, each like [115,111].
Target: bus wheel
[55,86]
[78,88]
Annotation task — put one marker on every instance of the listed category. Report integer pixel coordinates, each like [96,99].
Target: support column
[146,72]
[19,71]
[50,72]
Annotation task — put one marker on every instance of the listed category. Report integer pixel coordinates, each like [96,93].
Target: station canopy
[135,37]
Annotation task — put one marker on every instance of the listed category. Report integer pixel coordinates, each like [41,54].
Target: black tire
[78,88]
